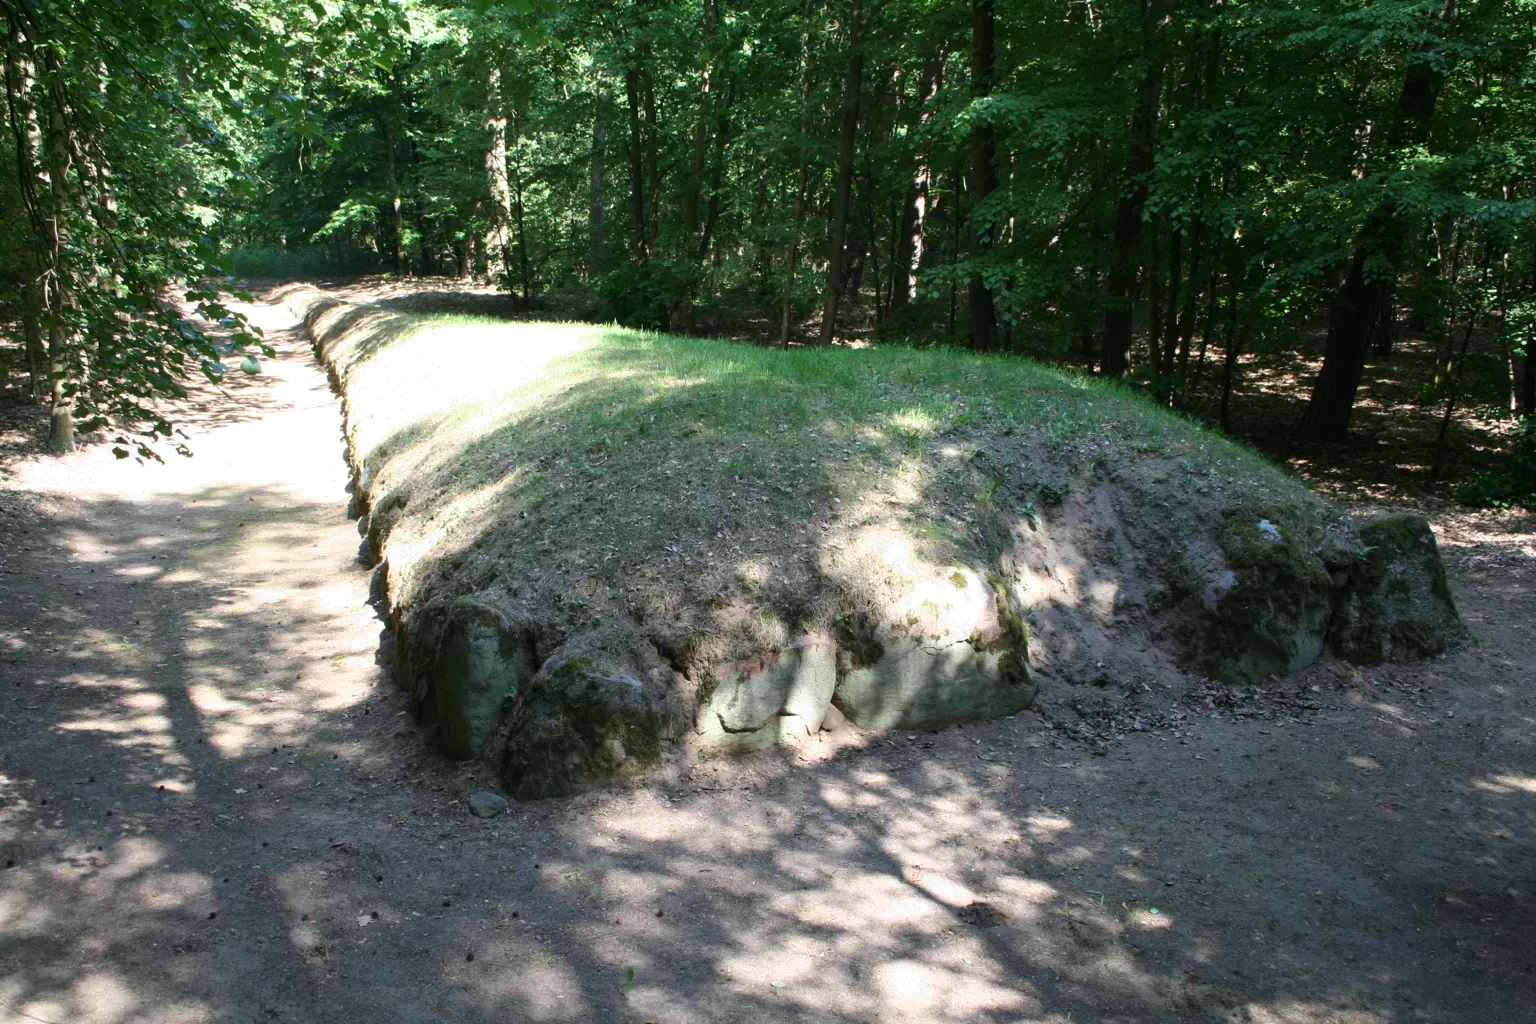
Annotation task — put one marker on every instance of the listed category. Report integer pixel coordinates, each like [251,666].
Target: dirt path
[216,809]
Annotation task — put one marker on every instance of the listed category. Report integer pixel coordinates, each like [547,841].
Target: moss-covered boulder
[1397,604]
[1268,612]
[756,706]
[482,660]
[596,712]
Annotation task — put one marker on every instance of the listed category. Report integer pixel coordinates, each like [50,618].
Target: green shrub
[643,296]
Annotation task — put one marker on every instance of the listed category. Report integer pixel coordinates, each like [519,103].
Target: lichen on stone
[1273,615]
[1398,602]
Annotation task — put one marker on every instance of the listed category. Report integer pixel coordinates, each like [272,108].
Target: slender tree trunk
[637,164]
[1171,315]
[32,338]
[792,246]
[495,175]
[914,210]
[1372,273]
[1120,284]
[692,237]
[23,128]
[398,216]
[525,268]
[61,419]
[692,204]
[1154,283]
[652,163]
[595,198]
[846,141]
[1191,299]
[1235,344]
[983,173]
[1528,384]
[1450,398]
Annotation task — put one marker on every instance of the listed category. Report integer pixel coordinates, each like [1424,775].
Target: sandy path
[210,789]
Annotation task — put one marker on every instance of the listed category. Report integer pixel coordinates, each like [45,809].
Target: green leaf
[250,366]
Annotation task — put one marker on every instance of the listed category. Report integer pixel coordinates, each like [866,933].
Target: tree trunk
[701,133]
[637,164]
[495,175]
[983,173]
[61,418]
[1191,299]
[1358,303]
[1120,284]
[394,195]
[792,246]
[652,164]
[595,199]
[525,269]
[1235,346]
[23,126]
[32,338]
[845,150]
[692,239]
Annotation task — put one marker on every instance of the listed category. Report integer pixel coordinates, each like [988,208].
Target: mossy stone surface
[480,663]
[1272,617]
[597,712]
[781,703]
[921,685]
[1398,603]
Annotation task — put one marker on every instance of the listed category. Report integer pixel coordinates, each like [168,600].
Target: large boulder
[754,707]
[950,651]
[1397,603]
[482,659]
[917,684]
[596,712]
[1267,612]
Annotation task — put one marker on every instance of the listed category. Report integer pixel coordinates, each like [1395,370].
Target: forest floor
[214,807]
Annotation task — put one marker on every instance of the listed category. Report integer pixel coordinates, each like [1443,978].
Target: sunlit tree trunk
[496,173]
[914,209]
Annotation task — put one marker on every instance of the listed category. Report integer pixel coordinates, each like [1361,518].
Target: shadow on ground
[210,789]
[205,808]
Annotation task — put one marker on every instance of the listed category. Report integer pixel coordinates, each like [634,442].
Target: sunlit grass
[597,461]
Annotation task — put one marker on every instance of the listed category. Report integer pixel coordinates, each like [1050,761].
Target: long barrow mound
[594,542]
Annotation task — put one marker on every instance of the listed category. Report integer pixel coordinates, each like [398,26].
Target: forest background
[1163,191]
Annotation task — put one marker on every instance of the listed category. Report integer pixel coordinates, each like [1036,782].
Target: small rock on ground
[486,805]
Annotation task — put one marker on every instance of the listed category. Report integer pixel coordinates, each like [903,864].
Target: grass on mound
[705,488]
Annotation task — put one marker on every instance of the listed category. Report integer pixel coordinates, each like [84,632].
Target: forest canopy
[1119,185]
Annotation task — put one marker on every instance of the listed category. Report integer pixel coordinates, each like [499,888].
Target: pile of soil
[209,787]
[889,576]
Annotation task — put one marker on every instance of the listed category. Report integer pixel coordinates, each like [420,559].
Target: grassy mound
[729,501]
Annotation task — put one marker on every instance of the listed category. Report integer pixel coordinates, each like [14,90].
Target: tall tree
[1360,302]
[847,140]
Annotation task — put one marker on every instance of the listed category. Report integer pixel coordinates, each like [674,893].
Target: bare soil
[214,807]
